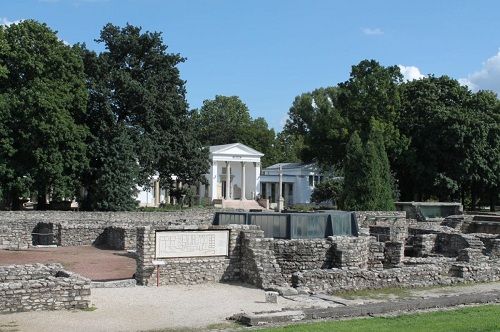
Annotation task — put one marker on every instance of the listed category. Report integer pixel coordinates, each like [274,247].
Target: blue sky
[268,52]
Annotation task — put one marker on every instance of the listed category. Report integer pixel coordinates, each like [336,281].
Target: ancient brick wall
[41,287]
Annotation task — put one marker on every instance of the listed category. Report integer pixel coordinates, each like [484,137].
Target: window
[311,180]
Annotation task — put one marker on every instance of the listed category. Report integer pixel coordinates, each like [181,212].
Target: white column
[213,181]
[157,192]
[280,190]
[228,180]
[243,180]
[257,179]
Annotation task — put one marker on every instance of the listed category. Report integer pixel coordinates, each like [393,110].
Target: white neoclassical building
[234,173]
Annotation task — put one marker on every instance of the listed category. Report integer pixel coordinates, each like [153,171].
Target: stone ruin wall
[389,251]
[189,270]
[35,287]
[116,229]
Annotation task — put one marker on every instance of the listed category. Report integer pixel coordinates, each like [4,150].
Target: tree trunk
[493,202]
[473,198]
[41,202]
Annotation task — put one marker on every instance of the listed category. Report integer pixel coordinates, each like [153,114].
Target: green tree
[461,161]
[223,120]
[226,120]
[116,175]
[42,131]
[367,178]
[327,190]
[288,147]
[137,95]
[317,122]
[327,117]
[372,93]
[355,195]
[379,180]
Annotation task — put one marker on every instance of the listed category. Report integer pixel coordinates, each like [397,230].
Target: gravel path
[178,307]
[146,308]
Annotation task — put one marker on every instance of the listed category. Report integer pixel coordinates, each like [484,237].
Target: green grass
[471,319]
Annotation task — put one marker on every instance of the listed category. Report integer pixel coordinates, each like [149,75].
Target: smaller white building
[298,182]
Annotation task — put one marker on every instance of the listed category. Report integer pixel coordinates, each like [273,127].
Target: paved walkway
[179,307]
[88,261]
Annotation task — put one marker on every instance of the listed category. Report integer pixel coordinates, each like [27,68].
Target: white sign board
[192,243]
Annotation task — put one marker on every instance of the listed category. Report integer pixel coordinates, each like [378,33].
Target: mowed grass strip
[476,319]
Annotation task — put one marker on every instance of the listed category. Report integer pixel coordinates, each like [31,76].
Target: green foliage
[367,179]
[327,190]
[111,182]
[356,167]
[288,147]
[463,156]
[138,118]
[327,117]
[226,120]
[42,135]
[317,122]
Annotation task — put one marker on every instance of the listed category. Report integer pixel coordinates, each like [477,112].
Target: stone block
[271,297]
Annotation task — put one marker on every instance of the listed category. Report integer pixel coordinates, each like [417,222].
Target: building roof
[290,165]
[234,148]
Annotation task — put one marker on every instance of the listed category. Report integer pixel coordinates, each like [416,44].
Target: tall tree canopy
[138,116]
[440,138]
[454,150]
[327,117]
[42,135]
[225,120]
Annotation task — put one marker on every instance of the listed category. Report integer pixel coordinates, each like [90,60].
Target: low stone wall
[259,266]
[89,228]
[335,280]
[41,287]
[351,252]
[367,218]
[190,270]
[298,255]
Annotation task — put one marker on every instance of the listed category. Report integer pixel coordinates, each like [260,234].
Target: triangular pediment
[235,149]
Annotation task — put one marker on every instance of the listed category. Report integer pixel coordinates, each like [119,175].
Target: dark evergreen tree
[356,195]
[379,181]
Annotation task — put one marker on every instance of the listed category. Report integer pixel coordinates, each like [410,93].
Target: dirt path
[88,261]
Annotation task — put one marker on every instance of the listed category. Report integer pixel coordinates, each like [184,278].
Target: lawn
[481,318]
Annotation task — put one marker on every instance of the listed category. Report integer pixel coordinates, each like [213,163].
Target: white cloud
[372,31]
[4,21]
[487,78]
[410,73]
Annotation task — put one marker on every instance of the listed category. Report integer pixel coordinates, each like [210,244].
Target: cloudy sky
[269,51]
